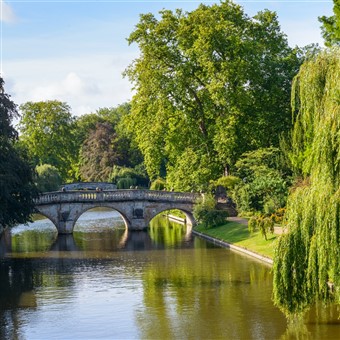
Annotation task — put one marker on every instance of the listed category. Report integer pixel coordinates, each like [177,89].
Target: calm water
[105,283]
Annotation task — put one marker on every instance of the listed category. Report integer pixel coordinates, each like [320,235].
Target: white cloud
[85,84]
[71,86]
[7,14]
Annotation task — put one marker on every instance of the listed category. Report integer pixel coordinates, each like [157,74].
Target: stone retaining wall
[233,247]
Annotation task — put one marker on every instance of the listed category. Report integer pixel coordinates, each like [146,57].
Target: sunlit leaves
[307,259]
[213,81]
[48,133]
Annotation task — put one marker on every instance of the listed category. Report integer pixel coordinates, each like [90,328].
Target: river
[105,283]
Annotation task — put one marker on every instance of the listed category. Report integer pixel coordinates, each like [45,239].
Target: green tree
[97,154]
[331,26]
[213,82]
[126,177]
[48,178]
[48,133]
[265,181]
[307,258]
[86,125]
[17,189]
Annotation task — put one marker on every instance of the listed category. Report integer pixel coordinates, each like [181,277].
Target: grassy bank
[238,235]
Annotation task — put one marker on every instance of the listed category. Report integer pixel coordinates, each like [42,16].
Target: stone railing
[115,195]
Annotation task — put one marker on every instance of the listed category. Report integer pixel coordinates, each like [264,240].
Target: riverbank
[235,235]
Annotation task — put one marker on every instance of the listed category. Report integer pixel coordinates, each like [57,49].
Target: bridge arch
[108,206]
[189,218]
[137,207]
[50,216]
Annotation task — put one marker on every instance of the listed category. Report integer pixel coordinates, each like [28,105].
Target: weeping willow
[306,263]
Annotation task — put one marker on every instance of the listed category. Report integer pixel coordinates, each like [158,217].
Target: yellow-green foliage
[228,182]
[307,258]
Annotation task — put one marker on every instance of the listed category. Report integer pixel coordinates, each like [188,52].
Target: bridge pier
[138,224]
[65,227]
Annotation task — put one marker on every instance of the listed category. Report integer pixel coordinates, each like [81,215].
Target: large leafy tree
[307,259]
[117,142]
[17,189]
[214,82]
[98,155]
[331,26]
[48,133]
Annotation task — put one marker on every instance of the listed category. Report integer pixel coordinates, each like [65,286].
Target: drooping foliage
[17,189]
[210,84]
[126,177]
[307,259]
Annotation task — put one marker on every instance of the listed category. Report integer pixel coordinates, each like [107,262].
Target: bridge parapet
[115,195]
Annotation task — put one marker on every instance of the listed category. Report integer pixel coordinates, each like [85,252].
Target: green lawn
[238,234]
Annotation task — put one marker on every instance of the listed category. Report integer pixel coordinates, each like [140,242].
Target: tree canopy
[48,133]
[17,189]
[97,154]
[307,259]
[210,85]
[331,26]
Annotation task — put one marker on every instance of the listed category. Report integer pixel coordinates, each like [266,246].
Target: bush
[205,212]
[278,215]
[262,223]
[252,224]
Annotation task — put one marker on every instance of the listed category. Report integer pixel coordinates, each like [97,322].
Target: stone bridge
[137,207]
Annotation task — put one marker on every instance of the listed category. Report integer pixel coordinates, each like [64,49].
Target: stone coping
[224,244]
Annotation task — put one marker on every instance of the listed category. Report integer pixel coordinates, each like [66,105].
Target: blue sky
[76,51]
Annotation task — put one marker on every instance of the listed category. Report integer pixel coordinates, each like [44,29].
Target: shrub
[205,212]
[278,215]
[252,224]
[262,223]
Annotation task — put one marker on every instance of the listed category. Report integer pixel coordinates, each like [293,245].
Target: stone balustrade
[114,196]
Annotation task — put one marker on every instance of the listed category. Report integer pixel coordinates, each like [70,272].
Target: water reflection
[114,284]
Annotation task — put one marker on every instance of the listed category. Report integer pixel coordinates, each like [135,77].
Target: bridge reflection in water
[137,207]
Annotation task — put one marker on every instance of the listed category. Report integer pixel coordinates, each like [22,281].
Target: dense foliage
[17,188]
[97,154]
[48,133]
[129,177]
[47,178]
[307,259]
[205,212]
[210,85]
[264,181]
[331,26]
